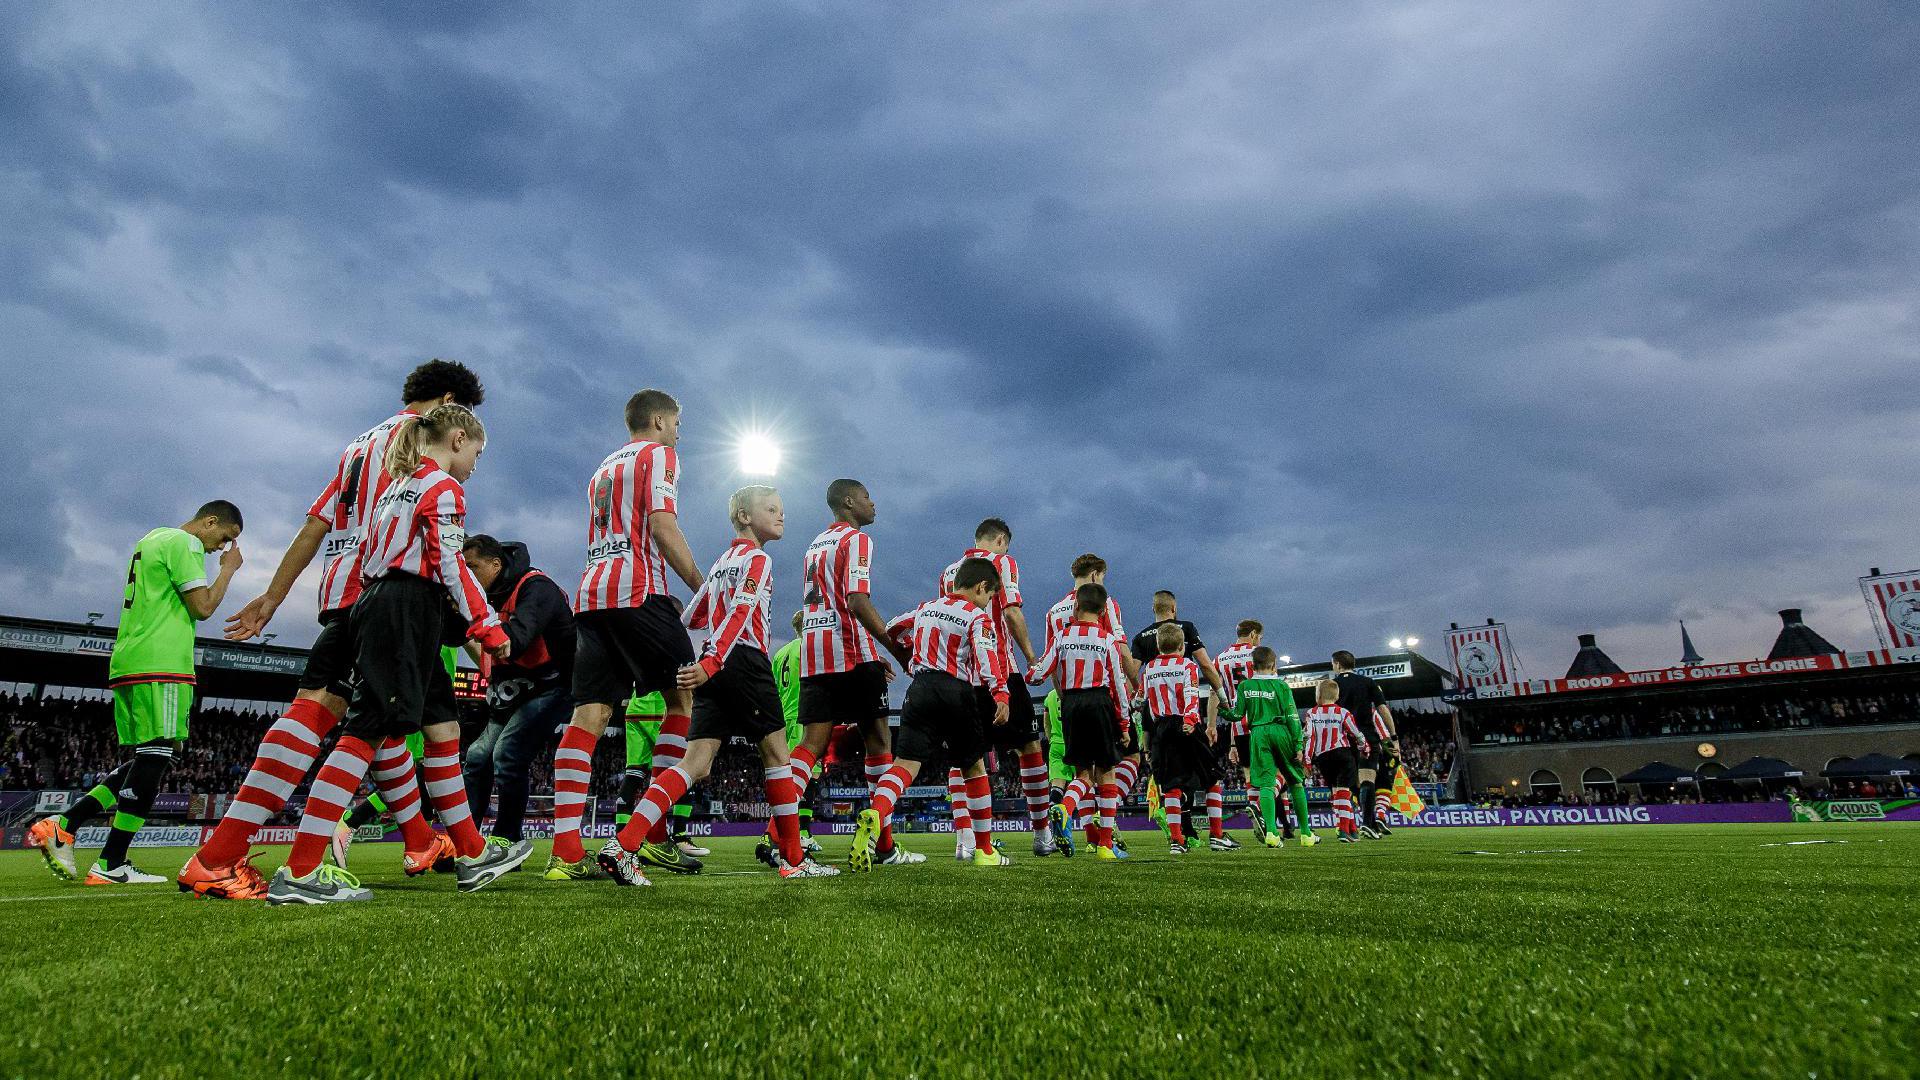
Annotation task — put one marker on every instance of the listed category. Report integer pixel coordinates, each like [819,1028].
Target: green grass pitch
[1635,952]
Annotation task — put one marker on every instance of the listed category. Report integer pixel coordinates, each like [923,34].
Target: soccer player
[1262,704]
[1182,754]
[416,592]
[151,676]
[1362,697]
[627,622]
[733,695]
[393,760]
[1336,746]
[332,530]
[843,675]
[1166,612]
[956,665]
[528,694]
[786,679]
[1234,663]
[1088,672]
[1091,569]
[1021,733]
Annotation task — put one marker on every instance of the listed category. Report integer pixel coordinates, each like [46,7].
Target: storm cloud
[1357,320]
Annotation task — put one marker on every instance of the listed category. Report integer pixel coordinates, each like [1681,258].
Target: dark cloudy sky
[1356,319]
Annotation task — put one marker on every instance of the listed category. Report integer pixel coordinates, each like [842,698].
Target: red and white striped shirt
[1061,614]
[839,567]
[1169,683]
[418,527]
[1234,663]
[732,603]
[1330,727]
[357,483]
[1083,656]
[1007,597]
[952,635]
[624,562]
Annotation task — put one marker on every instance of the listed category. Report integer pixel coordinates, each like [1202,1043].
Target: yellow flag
[1405,799]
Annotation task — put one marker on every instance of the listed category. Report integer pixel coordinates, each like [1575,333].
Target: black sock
[365,811]
[632,786]
[1367,816]
[151,761]
[97,801]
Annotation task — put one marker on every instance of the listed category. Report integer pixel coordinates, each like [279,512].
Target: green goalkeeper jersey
[155,640]
[1263,700]
[786,679]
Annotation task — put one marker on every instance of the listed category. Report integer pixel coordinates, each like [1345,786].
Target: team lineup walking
[403,586]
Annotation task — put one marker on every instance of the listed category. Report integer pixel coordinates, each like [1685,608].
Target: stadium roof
[1402,675]
[1871,765]
[1591,660]
[1658,772]
[1761,768]
[1797,638]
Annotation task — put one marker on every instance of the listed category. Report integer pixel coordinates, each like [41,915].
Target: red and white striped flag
[1894,600]
[1481,655]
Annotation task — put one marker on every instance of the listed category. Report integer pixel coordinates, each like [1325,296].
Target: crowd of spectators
[1712,712]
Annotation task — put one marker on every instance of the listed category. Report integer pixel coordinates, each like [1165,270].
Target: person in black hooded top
[528,693]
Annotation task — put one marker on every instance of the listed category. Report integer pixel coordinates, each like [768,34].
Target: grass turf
[1644,951]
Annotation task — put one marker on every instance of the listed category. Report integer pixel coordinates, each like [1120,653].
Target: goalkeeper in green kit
[1265,701]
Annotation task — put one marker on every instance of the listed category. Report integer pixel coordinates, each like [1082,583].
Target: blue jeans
[502,753]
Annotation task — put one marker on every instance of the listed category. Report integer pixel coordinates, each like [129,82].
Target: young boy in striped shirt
[1335,744]
[1084,662]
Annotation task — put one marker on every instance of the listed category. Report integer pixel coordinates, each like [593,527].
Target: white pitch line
[88,895]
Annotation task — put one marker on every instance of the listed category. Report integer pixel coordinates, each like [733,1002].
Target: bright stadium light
[1412,641]
[759,454]
[1286,659]
[1394,644]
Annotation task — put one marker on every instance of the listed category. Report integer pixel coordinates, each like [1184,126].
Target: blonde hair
[1326,691]
[1170,637]
[744,501]
[416,433]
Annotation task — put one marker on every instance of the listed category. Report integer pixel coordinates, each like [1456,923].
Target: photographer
[528,693]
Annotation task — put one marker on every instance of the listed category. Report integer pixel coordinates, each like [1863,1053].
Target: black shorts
[628,651]
[855,696]
[1181,759]
[1021,728]
[1338,768]
[741,700]
[330,661]
[1089,729]
[942,714]
[403,684]
[1384,761]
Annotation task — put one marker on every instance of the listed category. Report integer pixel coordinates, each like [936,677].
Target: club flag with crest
[1405,799]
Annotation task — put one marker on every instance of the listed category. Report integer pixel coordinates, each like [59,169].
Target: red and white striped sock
[1286,805]
[785,801]
[1382,802]
[399,788]
[327,802]
[887,791]
[878,766]
[800,763]
[285,755]
[441,764]
[572,776]
[668,750]
[1070,801]
[980,804]
[957,801]
[1109,802]
[669,786]
[1170,802]
[1343,810]
[1033,781]
[1126,775]
[1216,811]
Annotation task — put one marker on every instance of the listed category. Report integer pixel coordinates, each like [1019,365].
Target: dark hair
[975,572]
[1090,598]
[436,379]
[1249,626]
[1344,659]
[1089,564]
[838,491]
[1264,657]
[1163,598]
[486,547]
[222,511]
[991,528]
[647,404]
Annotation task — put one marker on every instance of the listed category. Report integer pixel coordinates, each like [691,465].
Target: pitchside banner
[1480,655]
[1894,603]
[1698,673]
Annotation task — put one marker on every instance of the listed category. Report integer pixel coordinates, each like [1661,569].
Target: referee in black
[1361,696]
